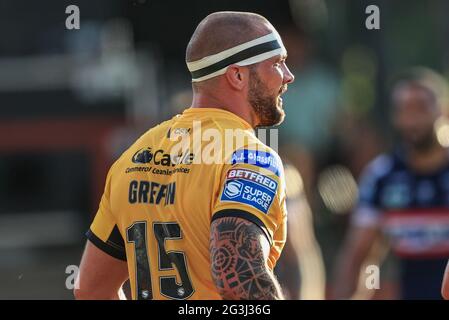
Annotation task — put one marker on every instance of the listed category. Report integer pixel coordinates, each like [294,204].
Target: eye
[279,63]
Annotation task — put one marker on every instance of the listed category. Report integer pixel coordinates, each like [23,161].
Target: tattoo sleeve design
[238,264]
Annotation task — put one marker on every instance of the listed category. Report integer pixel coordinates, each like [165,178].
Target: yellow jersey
[162,194]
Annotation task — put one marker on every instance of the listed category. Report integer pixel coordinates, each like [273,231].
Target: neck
[229,103]
[428,160]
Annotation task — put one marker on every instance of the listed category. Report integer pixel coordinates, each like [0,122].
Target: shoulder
[374,173]
[141,150]
[379,167]
[260,155]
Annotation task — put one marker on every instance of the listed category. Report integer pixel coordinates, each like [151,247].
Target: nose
[288,76]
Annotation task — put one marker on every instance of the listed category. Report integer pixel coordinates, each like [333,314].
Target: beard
[423,143]
[267,107]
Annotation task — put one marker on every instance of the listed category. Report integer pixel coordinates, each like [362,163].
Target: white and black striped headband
[244,54]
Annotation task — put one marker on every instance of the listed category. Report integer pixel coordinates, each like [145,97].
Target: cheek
[415,122]
[279,75]
[276,79]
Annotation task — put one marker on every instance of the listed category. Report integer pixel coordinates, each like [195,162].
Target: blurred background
[72,100]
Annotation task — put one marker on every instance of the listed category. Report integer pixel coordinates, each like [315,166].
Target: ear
[237,77]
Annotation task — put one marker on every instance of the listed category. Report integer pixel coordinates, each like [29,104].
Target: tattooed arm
[239,251]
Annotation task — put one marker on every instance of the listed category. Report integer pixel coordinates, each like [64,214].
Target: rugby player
[404,196]
[180,227]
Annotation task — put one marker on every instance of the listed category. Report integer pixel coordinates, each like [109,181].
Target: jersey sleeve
[252,187]
[367,211]
[103,232]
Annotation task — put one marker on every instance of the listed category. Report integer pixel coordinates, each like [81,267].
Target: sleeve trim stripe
[235,213]
[115,239]
[107,248]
